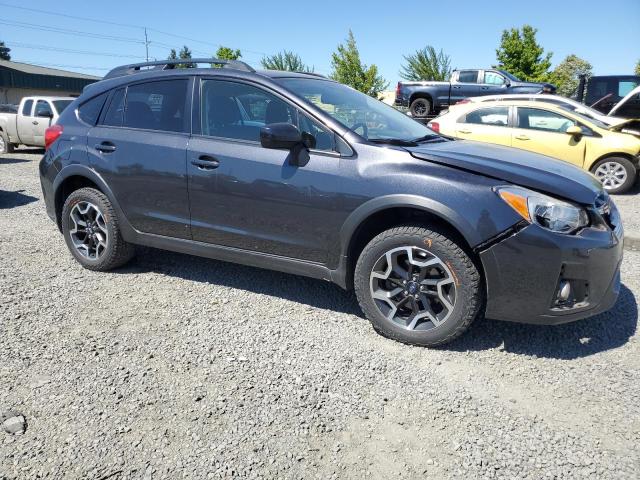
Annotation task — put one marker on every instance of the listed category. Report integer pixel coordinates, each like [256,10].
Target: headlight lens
[547,212]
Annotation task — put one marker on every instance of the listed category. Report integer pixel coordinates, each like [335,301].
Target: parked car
[8,108]
[560,101]
[298,173]
[629,106]
[28,124]
[604,92]
[540,127]
[426,98]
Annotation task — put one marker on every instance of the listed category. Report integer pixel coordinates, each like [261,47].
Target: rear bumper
[524,271]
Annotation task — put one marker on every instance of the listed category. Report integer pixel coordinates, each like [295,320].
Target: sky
[607,34]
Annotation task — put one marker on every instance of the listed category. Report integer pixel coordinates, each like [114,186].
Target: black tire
[420,107]
[117,251]
[629,168]
[5,146]
[469,290]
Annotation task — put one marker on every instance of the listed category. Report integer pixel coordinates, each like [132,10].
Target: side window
[90,110]
[493,78]
[157,106]
[238,111]
[496,116]
[468,76]
[113,116]
[26,108]
[625,86]
[536,119]
[322,138]
[43,109]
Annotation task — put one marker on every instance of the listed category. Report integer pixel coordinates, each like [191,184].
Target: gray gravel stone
[186,368]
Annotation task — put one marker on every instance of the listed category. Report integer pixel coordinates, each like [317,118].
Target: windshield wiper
[395,141]
[426,138]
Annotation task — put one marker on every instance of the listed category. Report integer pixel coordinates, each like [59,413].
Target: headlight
[547,212]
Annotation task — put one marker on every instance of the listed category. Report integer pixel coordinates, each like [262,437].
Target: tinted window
[157,106]
[535,119]
[43,108]
[238,111]
[60,105]
[625,86]
[468,76]
[498,116]
[89,111]
[114,114]
[493,78]
[26,108]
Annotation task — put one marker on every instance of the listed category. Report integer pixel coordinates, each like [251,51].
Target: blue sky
[469,31]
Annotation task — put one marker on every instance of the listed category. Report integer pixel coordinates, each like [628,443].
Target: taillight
[398,90]
[435,126]
[464,100]
[51,134]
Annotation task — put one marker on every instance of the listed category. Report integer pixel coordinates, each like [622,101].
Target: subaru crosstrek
[298,173]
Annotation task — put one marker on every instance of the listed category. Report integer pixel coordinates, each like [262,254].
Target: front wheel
[418,286]
[420,107]
[617,174]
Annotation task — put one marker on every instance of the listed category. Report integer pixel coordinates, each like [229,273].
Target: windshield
[60,105]
[368,117]
[584,116]
[509,76]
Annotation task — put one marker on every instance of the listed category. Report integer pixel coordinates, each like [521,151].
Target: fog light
[564,291]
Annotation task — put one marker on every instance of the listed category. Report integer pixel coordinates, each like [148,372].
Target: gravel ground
[629,205]
[179,367]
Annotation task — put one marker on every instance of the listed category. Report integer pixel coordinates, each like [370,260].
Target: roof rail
[311,73]
[171,64]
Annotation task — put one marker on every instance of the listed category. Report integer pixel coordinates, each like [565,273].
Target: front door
[485,124]
[139,147]
[493,83]
[543,131]
[248,197]
[41,121]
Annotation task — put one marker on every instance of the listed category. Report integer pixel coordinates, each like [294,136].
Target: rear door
[465,84]
[139,147]
[24,123]
[485,124]
[543,131]
[42,117]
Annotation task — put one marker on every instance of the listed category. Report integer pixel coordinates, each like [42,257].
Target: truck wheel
[617,174]
[92,233]
[5,145]
[420,107]
[417,285]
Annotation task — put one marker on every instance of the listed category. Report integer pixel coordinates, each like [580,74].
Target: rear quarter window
[89,111]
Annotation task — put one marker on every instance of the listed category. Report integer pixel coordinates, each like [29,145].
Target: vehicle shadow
[14,199]
[573,340]
[8,160]
[566,342]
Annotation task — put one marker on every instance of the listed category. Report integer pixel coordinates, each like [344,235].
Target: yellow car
[611,153]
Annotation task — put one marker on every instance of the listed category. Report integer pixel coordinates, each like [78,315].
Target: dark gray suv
[298,173]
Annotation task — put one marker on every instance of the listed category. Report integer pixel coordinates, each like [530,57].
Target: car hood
[627,126]
[518,167]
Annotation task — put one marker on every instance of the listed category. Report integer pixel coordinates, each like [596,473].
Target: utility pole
[146,42]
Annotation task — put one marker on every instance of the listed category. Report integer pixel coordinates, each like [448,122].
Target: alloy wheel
[413,288]
[89,232]
[611,174]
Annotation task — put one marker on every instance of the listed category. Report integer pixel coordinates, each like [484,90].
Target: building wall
[14,95]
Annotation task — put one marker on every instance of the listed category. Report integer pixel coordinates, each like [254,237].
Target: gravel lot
[179,367]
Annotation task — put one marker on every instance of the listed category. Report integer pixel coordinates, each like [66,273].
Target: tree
[226,53]
[567,74]
[637,69]
[426,64]
[185,54]
[285,60]
[348,69]
[4,52]
[521,55]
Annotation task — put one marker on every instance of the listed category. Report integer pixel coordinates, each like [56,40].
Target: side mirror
[574,130]
[281,136]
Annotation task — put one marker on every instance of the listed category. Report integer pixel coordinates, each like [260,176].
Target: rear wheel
[420,107]
[617,174]
[418,286]
[92,232]
[5,145]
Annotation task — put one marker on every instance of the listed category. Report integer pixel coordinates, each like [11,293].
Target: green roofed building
[19,80]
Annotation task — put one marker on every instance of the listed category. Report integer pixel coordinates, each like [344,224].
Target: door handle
[105,147]
[34,122]
[457,86]
[464,131]
[522,137]
[206,162]
[484,88]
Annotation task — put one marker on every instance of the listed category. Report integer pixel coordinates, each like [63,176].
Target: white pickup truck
[27,126]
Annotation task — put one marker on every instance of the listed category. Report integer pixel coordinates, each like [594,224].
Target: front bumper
[524,271]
